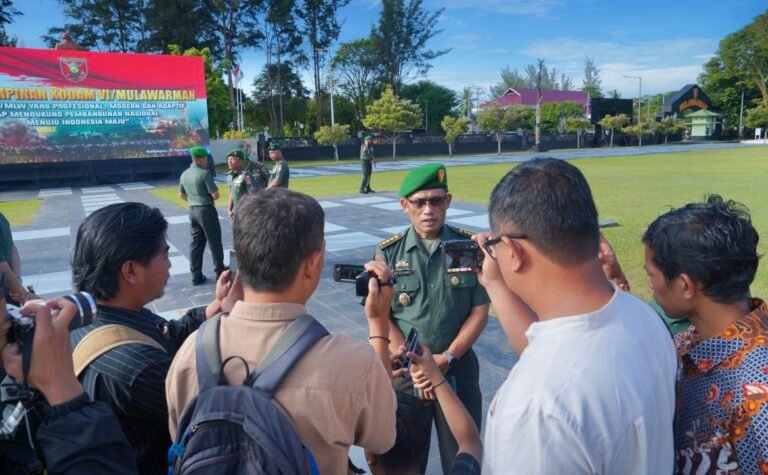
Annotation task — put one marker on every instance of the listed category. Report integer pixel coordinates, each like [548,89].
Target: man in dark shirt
[121,258]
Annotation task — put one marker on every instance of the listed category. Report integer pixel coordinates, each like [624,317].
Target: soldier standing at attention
[196,187]
[449,310]
[368,162]
[280,172]
[241,180]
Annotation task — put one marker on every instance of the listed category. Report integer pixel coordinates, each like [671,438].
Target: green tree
[436,100]
[7,13]
[235,27]
[493,120]
[670,126]
[392,115]
[334,135]
[614,122]
[104,25]
[758,117]
[453,127]
[615,94]
[554,113]
[185,23]
[517,117]
[465,108]
[277,80]
[643,128]
[592,79]
[528,77]
[578,125]
[321,29]
[400,40]
[282,44]
[216,91]
[355,68]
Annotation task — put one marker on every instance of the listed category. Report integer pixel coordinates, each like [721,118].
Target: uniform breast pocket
[406,289]
[461,280]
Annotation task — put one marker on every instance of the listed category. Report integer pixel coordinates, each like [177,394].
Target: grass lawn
[20,213]
[630,190]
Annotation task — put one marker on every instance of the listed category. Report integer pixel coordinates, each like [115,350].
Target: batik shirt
[721,422]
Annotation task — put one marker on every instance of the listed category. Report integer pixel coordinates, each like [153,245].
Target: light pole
[639,94]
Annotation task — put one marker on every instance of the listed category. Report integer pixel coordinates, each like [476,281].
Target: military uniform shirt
[240,184]
[436,302]
[282,172]
[366,154]
[6,240]
[198,185]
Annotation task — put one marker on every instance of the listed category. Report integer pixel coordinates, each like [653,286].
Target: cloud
[508,7]
[664,65]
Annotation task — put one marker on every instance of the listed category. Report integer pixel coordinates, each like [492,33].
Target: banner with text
[60,106]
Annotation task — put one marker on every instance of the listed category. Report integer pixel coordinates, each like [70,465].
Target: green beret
[425,177]
[368,137]
[274,146]
[238,153]
[198,152]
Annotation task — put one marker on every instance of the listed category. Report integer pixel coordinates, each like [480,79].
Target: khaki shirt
[198,185]
[436,302]
[338,394]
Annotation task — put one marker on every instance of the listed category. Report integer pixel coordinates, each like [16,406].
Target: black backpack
[228,429]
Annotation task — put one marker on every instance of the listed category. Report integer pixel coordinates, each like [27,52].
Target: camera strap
[105,338]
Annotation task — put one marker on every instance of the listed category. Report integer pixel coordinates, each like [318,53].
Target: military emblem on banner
[74,69]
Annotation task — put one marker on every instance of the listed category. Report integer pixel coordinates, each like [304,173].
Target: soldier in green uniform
[449,310]
[280,172]
[241,180]
[368,163]
[196,186]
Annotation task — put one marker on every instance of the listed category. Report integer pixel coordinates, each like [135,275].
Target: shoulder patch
[391,240]
[462,232]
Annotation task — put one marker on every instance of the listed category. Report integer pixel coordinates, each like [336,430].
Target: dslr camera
[19,404]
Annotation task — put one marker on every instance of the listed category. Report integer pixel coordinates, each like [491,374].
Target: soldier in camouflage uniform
[241,180]
[449,310]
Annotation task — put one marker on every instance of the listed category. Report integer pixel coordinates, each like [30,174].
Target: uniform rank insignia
[402,267]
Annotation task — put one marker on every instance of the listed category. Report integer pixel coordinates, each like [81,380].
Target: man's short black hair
[111,236]
[713,242]
[413,434]
[274,232]
[550,202]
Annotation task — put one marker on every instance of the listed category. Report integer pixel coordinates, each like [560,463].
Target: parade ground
[631,186]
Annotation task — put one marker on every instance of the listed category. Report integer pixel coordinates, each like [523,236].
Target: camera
[17,400]
[462,255]
[358,275]
[412,345]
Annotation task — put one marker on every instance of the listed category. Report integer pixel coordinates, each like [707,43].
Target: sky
[664,42]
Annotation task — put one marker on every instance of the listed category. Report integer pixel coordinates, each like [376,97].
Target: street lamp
[639,94]
[330,79]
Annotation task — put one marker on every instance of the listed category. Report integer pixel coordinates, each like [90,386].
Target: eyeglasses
[435,202]
[488,245]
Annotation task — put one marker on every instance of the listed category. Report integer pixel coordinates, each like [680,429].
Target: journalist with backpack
[269,371]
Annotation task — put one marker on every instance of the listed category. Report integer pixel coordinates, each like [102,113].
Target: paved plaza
[354,225]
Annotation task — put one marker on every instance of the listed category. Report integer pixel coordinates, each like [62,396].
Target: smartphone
[462,255]
[411,344]
[232,263]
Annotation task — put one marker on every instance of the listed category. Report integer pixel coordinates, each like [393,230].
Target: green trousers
[465,379]
[367,170]
[204,227]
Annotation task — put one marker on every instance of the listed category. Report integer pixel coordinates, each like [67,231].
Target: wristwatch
[452,360]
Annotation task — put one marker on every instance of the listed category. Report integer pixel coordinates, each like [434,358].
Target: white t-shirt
[591,393]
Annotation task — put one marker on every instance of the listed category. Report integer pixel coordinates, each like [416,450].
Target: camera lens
[86,309]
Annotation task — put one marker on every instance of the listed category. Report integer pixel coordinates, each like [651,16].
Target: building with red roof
[528,97]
